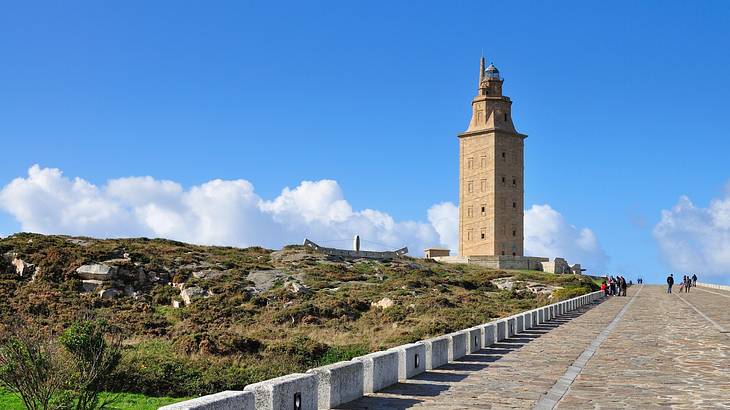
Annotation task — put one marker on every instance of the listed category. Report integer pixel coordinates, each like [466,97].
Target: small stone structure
[497,261]
[344,253]
[436,252]
[558,265]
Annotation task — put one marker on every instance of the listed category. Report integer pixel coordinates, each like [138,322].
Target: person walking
[604,288]
[687,284]
[670,282]
[623,286]
[694,279]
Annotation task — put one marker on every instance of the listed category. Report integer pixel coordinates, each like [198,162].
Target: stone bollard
[475,340]
[437,352]
[338,383]
[489,331]
[457,344]
[380,370]
[225,400]
[296,391]
[511,327]
[519,324]
[411,360]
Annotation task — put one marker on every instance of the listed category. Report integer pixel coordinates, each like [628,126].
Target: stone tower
[491,174]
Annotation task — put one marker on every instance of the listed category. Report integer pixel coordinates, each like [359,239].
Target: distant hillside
[249,314]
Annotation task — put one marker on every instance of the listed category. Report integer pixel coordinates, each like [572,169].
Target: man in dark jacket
[670,282]
[694,279]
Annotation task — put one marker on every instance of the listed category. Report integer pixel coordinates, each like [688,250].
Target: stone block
[475,340]
[411,360]
[437,352]
[519,324]
[541,316]
[526,320]
[489,331]
[380,370]
[501,330]
[511,327]
[457,344]
[293,391]
[97,271]
[225,400]
[338,383]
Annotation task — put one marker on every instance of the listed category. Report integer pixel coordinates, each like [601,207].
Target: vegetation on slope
[318,310]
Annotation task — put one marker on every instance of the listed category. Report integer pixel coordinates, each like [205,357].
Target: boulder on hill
[189,295]
[98,271]
[207,274]
[264,280]
[109,293]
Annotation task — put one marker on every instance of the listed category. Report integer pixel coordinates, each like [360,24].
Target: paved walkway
[647,350]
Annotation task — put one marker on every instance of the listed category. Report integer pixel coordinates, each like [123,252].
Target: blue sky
[624,103]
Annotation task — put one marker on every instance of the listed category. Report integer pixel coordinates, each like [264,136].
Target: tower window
[514,204]
[514,232]
[469,212]
[514,181]
[470,163]
[514,253]
[504,155]
[505,116]
[484,233]
[484,210]
[483,162]
[468,235]
[502,252]
[483,185]
[503,180]
[470,186]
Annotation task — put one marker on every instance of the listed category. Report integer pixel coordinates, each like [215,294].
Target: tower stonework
[491,174]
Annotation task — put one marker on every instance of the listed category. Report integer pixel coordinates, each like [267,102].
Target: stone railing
[713,286]
[329,386]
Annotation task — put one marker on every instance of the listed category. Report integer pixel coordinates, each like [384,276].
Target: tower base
[497,261]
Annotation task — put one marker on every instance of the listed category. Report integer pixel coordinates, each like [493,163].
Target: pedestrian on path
[670,282]
[687,284]
[623,286]
[694,279]
[604,288]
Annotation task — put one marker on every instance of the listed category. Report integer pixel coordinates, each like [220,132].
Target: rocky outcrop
[97,271]
[383,303]
[191,294]
[264,280]
[109,293]
[207,274]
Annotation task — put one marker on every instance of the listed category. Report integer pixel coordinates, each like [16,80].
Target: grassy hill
[254,313]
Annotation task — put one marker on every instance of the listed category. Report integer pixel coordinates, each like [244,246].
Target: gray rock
[189,295]
[22,268]
[92,285]
[98,271]
[208,274]
[265,279]
[109,293]
[296,287]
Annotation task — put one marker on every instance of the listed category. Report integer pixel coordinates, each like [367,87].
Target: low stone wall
[497,261]
[713,286]
[329,386]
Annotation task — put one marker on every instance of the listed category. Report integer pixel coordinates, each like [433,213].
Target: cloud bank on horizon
[693,239]
[229,212]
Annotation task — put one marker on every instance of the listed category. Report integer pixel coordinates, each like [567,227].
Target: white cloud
[232,213]
[548,234]
[216,212]
[697,240]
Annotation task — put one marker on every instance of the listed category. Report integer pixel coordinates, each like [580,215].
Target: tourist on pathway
[604,288]
[694,279]
[623,286]
[687,284]
[612,285]
[670,282]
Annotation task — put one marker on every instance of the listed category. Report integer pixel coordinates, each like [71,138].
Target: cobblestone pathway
[660,354]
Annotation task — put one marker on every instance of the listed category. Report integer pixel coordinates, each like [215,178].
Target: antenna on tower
[481,69]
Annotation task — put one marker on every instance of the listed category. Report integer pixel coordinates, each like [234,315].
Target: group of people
[687,283]
[614,286]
